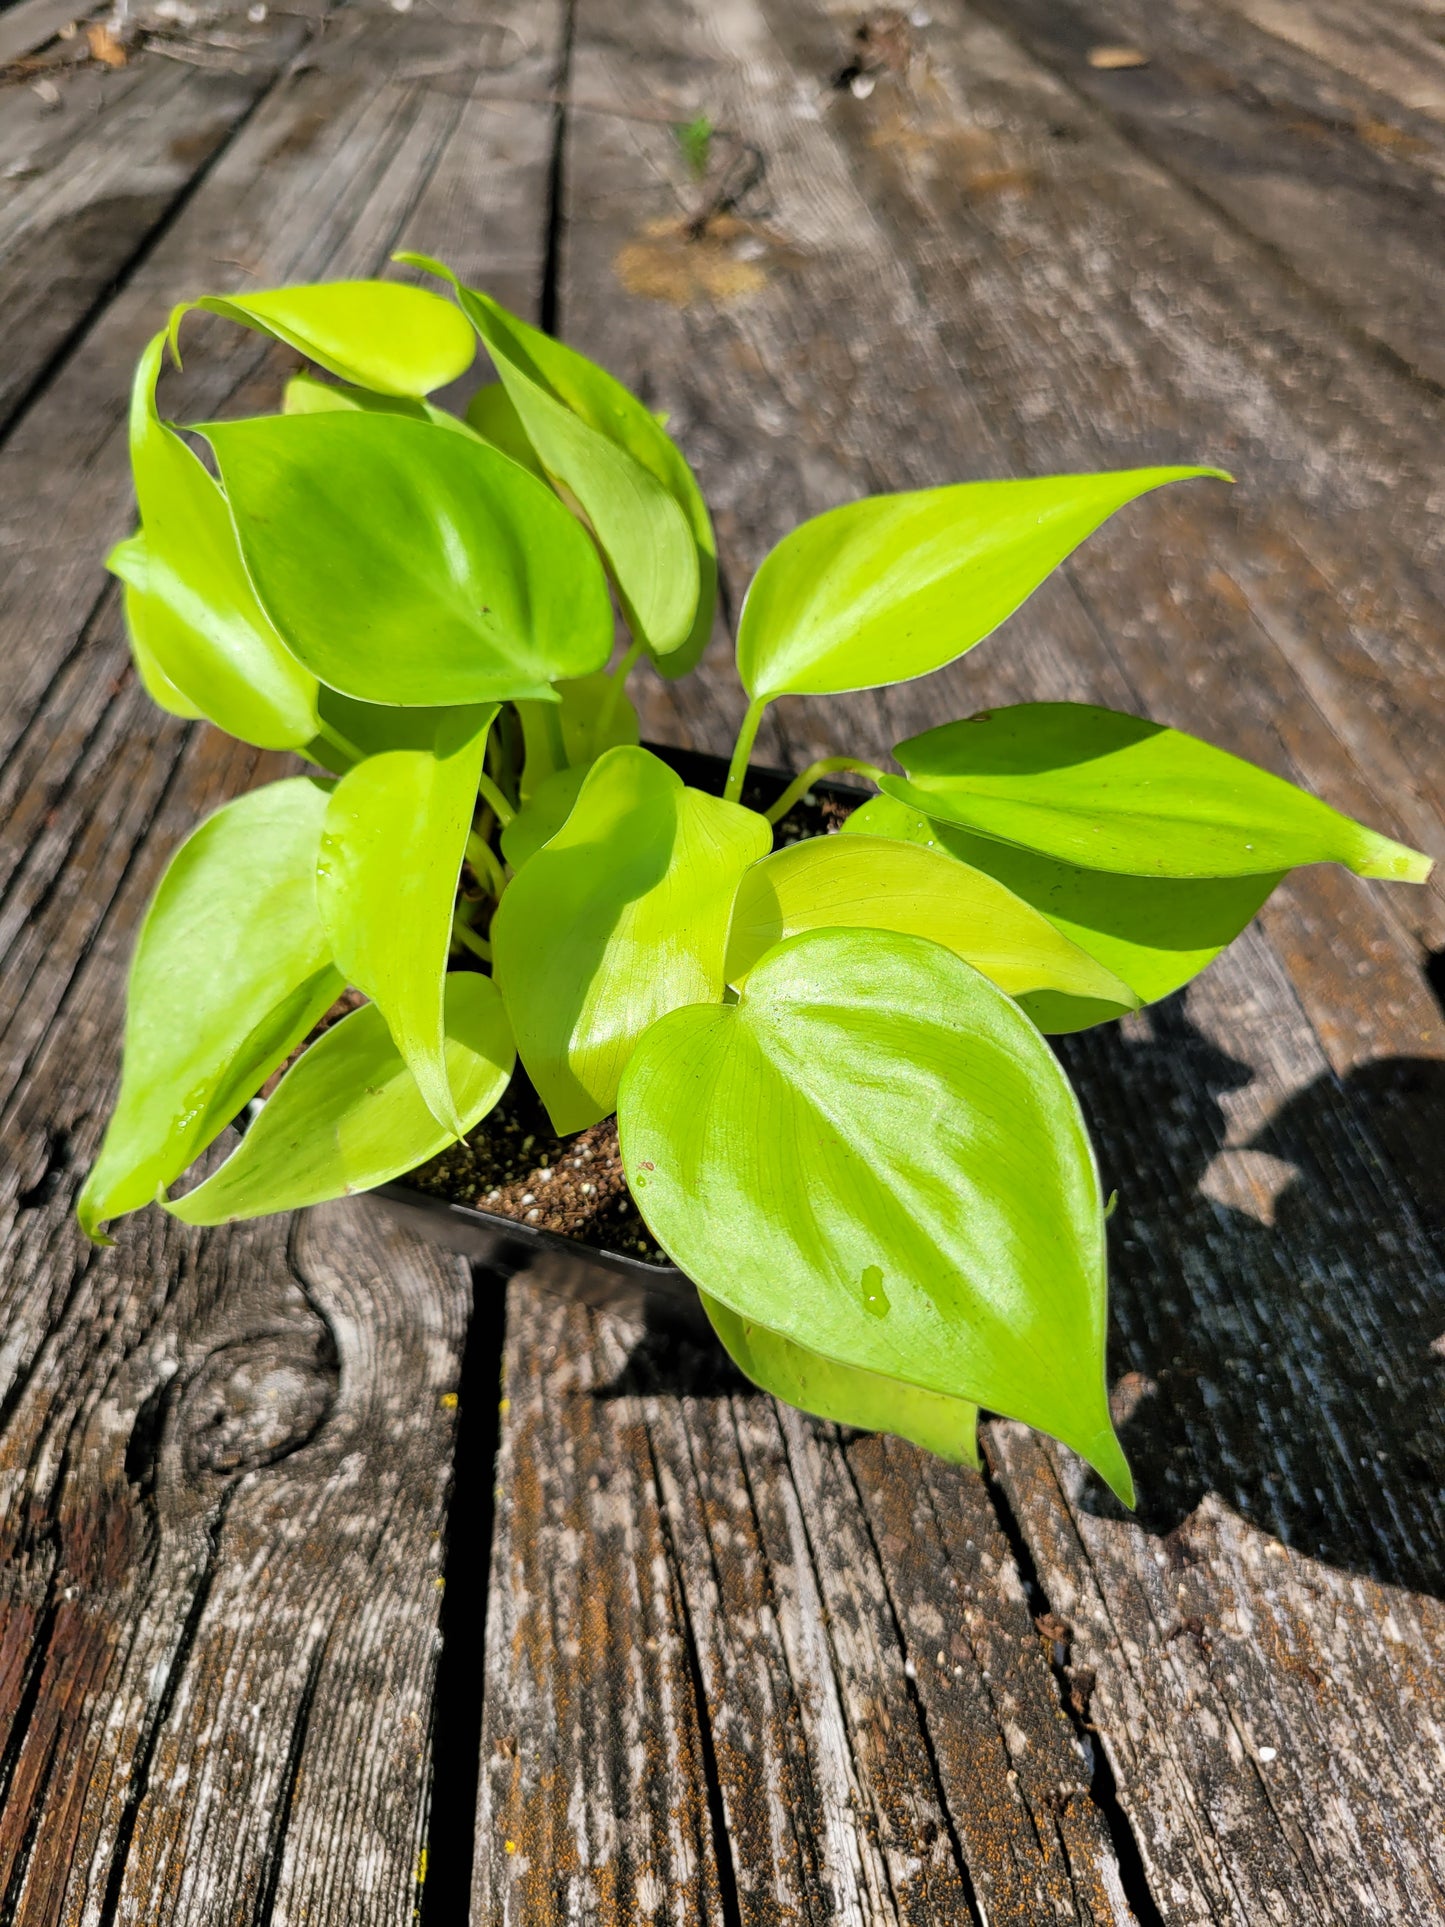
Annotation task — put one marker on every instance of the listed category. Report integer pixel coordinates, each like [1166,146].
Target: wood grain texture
[226,1459]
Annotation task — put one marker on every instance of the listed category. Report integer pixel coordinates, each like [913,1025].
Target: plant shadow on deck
[1287,1367]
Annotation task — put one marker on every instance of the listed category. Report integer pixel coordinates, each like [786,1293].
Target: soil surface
[513,1163]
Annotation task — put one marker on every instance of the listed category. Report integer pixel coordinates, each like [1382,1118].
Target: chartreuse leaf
[305,395]
[622,916]
[381,335]
[492,414]
[348,1116]
[231,970]
[128,561]
[875,1154]
[844,1393]
[386,884]
[1154,932]
[889,588]
[618,462]
[192,612]
[368,729]
[875,883]
[1111,792]
[408,565]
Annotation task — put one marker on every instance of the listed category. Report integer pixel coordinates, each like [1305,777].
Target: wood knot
[253,1403]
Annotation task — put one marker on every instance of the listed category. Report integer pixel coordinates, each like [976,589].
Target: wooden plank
[91,189]
[1391,48]
[225,1458]
[29,25]
[1337,181]
[832,367]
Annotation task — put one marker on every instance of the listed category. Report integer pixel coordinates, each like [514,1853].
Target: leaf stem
[493,795]
[825,766]
[339,742]
[617,682]
[464,934]
[743,749]
[483,860]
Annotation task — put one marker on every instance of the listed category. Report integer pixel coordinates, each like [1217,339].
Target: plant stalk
[464,934]
[493,795]
[483,860]
[743,749]
[825,766]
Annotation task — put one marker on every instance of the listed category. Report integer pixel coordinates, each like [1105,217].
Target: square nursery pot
[661,1294]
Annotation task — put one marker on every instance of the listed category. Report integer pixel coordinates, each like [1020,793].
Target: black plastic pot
[593,1276]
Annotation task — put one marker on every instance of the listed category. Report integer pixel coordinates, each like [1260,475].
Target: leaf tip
[1392,862]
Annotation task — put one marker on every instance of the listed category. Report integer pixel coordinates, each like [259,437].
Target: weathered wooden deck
[276,1646]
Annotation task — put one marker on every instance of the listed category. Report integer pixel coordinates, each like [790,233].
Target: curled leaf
[231,970]
[381,335]
[348,1116]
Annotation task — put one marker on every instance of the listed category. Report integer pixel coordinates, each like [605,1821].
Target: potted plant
[836,1109]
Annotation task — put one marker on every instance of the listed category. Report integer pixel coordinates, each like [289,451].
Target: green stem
[743,749]
[487,788]
[464,934]
[617,682]
[339,742]
[499,756]
[826,766]
[484,862]
[556,742]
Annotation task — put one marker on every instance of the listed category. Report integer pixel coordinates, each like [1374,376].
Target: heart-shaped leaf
[843,1393]
[381,335]
[622,916]
[1111,792]
[617,461]
[889,588]
[191,610]
[348,1116]
[386,885]
[876,883]
[231,970]
[405,564]
[875,1154]
[1153,932]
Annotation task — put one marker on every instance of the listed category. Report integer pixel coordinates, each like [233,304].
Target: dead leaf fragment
[104,46]
[1111,60]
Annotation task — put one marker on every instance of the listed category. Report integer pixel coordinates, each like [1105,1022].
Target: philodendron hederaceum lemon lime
[837,1108]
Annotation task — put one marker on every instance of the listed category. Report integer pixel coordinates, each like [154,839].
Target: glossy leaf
[540,818]
[231,970]
[1154,932]
[369,729]
[622,916]
[877,883]
[127,560]
[615,458]
[381,335]
[492,414]
[305,395]
[942,1425]
[386,883]
[191,610]
[348,1116]
[876,1155]
[407,565]
[889,588]
[1112,792]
